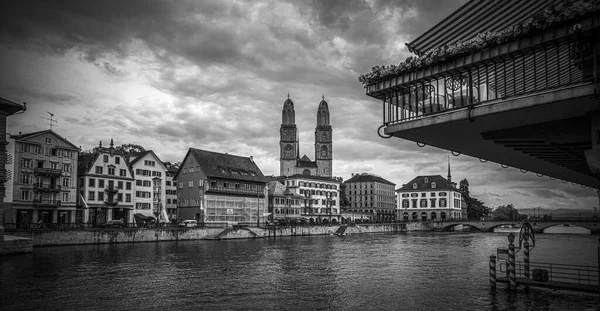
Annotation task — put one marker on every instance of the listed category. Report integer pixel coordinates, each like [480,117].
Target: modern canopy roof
[477,16]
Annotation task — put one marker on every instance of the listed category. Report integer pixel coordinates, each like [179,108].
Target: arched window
[306,172]
[433,185]
[415,185]
[288,152]
[323,151]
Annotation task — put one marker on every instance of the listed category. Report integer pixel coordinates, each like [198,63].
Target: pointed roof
[34,134]
[441,183]
[368,178]
[10,106]
[305,162]
[323,103]
[139,156]
[223,165]
[288,103]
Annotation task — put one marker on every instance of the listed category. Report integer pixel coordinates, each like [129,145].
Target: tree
[130,149]
[475,208]
[507,212]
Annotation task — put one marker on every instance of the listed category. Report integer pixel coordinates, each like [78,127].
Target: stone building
[289,144]
[371,194]
[45,179]
[220,188]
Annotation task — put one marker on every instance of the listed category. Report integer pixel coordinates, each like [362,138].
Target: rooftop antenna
[51,119]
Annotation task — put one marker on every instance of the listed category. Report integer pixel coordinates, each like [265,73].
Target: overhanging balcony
[47,171]
[46,187]
[526,104]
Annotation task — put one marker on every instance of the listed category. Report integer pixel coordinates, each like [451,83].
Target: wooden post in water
[511,262]
[493,271]
[526,257]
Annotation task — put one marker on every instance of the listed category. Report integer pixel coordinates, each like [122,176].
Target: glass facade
[234,208]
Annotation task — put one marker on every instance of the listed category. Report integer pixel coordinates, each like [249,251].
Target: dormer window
[415,185]
[433,185]
[426,180]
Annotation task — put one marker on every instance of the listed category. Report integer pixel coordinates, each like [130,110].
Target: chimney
[252,158]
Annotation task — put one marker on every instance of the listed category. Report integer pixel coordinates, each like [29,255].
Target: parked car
[188,223]
[116,223]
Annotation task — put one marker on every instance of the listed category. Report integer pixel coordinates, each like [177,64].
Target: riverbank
[110,236]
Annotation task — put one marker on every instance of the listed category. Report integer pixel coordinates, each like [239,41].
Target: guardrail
[542,272]
[553,65]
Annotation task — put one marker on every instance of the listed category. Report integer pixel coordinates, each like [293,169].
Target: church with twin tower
[289,144]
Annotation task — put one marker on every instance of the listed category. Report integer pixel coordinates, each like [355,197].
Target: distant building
[150,175]
[220,188]
[289,144]
[321,203]
[371,194]
[105,186]
[45,179]
[430,197]
[171,191]
[284,204]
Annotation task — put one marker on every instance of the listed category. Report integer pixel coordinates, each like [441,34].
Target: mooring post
[511,262]
[493,271]
[526,257]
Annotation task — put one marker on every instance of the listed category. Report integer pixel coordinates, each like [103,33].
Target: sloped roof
[10,106]
[33,134]
[477,16]
[85,162]
[441,183]
[305,162]
[278,189]
[223,165]
[139,156]
[369,178]
[313,177]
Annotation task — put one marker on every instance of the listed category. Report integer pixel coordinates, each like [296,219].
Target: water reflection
[415,271]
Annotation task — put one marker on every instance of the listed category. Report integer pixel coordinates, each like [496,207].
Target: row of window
[36,149]
[171,201]
[143,183]
[111,183]
[286,201]
[424,194]
[143,205]
[329,194]
[92,196]
[370,185]
[27,179]
[111,171]
[28,163]
[143,194]
[372,204]
[117,159]
[311,184]
[423,203]
[142,172]
[27,195]
[149,163]
[349,192]
[170,192]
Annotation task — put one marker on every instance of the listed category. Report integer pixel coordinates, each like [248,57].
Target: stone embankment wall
[95,236]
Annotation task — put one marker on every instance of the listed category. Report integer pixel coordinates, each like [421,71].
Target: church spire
[449,176]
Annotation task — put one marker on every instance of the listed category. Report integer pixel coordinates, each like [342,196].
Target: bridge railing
[552,272]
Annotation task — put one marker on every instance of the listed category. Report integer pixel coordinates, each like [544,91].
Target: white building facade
[429,198]
[150,176]
[321,203]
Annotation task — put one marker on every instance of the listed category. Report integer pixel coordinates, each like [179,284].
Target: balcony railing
[233,190]
[111,189]
[111,202]
[46,203]
[47,171]
[46,187]
[501,73]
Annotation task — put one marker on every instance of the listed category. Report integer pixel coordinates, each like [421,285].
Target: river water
[406,271]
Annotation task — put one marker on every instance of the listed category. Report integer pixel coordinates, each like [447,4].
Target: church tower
[323,141]
[288,141]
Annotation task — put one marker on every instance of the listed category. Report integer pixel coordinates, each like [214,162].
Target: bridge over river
[538,226]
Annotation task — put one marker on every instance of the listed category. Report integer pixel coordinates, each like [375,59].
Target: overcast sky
[170,75]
